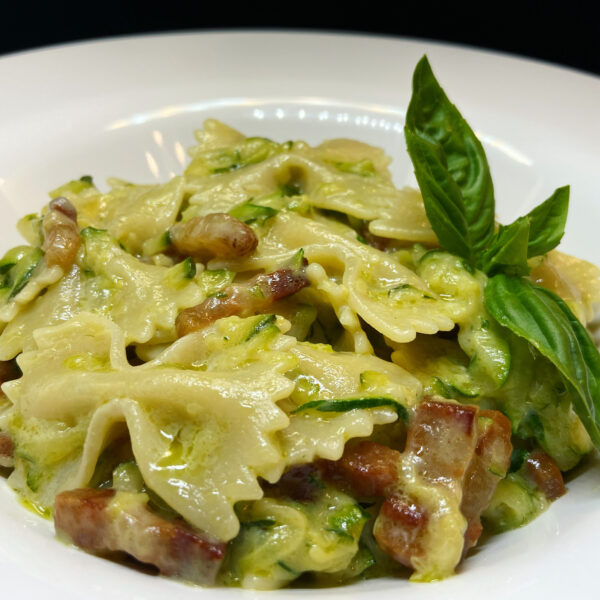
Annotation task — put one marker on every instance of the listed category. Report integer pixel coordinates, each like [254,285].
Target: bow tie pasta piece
[389,212]
[132,214]
[358,184]
[341,175]
[227,168]
[58,304]
[216,136]
[222,192]
[143,299]
[201,434]
[323,375]
[23,276]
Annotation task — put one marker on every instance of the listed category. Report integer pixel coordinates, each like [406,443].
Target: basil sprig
[455,181]
[456,185]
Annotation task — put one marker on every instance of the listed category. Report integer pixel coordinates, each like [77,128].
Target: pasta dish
[278,367]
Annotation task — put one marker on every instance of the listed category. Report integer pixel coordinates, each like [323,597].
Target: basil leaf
[443,201]
[548,222]
[507,252]
[546,322]
[431,115]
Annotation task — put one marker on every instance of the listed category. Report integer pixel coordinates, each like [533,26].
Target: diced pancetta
[102,521]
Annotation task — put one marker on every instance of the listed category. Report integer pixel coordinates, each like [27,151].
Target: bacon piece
[441,439]
[440,444]
[103,521]
[368,468]
[399,528]
[448,445]
[65,206]
[544,473]
[61,234]
[7,449]
[488,466]
[215,235]
[253,297]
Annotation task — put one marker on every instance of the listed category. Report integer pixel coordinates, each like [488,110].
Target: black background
[566,33]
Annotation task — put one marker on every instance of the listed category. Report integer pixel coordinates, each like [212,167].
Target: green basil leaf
[507,252]
[546,322]
[431,115]
[548,222]
[441,196]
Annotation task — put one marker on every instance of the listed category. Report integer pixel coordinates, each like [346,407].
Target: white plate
[128,108]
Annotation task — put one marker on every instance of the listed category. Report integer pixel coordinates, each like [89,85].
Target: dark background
[566,33]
